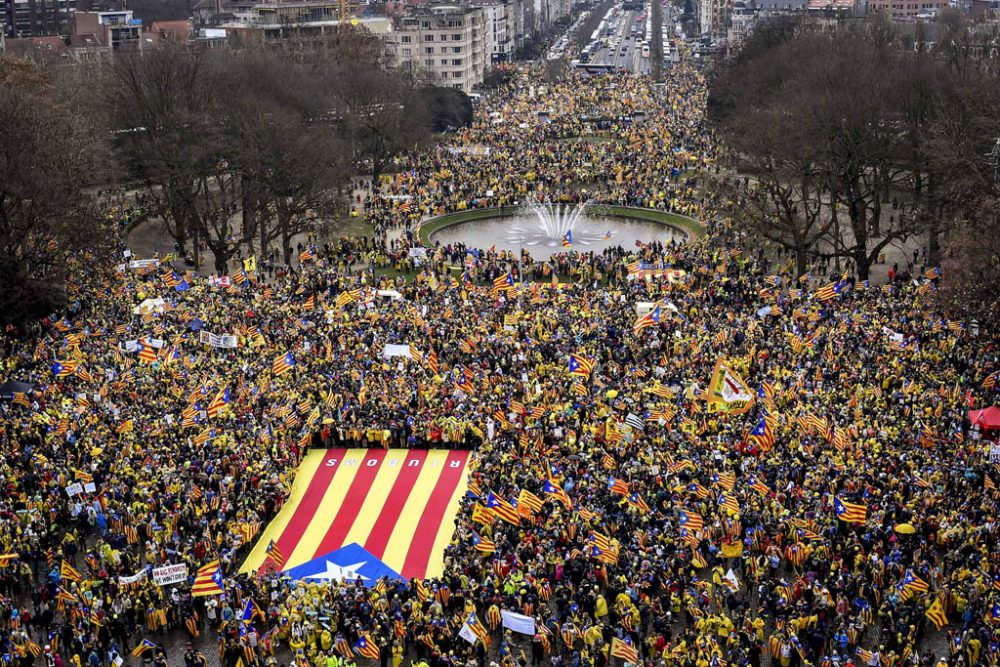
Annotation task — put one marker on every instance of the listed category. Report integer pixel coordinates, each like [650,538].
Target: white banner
[396,351]
[74,489]
[138,576]
[169,574]
[518,622]
[133,345]
[217,340]
[143,263]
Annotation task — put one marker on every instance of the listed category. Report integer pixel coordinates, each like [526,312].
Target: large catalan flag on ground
[398,505]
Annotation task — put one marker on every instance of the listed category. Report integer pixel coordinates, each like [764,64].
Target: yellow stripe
[327,509]
[406,526]
[435,565]
[308,467]
[378,493]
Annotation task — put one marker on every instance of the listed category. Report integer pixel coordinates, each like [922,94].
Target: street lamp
[993,159]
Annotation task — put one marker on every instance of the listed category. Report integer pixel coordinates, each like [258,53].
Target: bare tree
[48,221]
[831,103]
[378,107]
[971,266]
[289,154]
[162,107]
[788,201]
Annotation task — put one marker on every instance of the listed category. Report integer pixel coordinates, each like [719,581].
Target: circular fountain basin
[514,228]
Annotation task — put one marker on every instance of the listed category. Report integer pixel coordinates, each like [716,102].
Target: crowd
[647,528]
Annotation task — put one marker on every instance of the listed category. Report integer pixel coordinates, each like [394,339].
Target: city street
[624,43]
[621,49]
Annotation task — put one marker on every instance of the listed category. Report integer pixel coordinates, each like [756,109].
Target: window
[406,39]
[456,37]
[456,49]
[428,38]
[456,75]
[428,50]
[444,61]
[429,62]
[425,24]
[457,62]
[406,52]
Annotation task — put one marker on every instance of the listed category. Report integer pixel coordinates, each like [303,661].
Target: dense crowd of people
[649,527]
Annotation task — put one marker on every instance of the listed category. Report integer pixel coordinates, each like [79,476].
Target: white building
[447,43]
[498,17]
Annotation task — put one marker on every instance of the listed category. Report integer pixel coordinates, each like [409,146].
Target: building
[906,8]
[34,18]
[114,29]
[268,21]
[447,43]
[713,16]
[741,22]
[71,48]
[498,39]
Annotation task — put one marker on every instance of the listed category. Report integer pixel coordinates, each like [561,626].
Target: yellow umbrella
[612,393]
[905,529]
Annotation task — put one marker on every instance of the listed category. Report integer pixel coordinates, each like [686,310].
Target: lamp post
[993,159]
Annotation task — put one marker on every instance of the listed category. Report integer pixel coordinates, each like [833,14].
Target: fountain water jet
[555,219]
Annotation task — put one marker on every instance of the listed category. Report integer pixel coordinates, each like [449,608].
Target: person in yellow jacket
[600,609]
[397,653]
[724,626]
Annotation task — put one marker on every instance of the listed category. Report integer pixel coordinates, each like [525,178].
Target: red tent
[987,418]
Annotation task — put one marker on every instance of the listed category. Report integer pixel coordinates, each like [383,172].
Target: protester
[645,521]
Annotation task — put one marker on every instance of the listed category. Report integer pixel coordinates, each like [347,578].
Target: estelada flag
[399,505]
[624,650]
[208,581]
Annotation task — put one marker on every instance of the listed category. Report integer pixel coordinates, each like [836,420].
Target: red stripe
[385,524]
[351,507]
[430,521]
[310,502]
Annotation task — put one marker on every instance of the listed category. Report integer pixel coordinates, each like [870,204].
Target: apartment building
[447,43]
[115,29]
[498,18]
[34,18]
[898,9]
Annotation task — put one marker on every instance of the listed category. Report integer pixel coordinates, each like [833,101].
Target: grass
[345,225]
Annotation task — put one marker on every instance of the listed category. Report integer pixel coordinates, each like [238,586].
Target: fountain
[556,226]
[549,228]
[556,220]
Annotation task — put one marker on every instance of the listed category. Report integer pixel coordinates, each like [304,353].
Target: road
[621,49]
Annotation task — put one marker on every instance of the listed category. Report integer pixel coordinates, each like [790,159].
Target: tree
[289,155]
[49,224]
[447,108]
[163,108]
[971,266]
[383,115]
[788,202]
[827,104]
